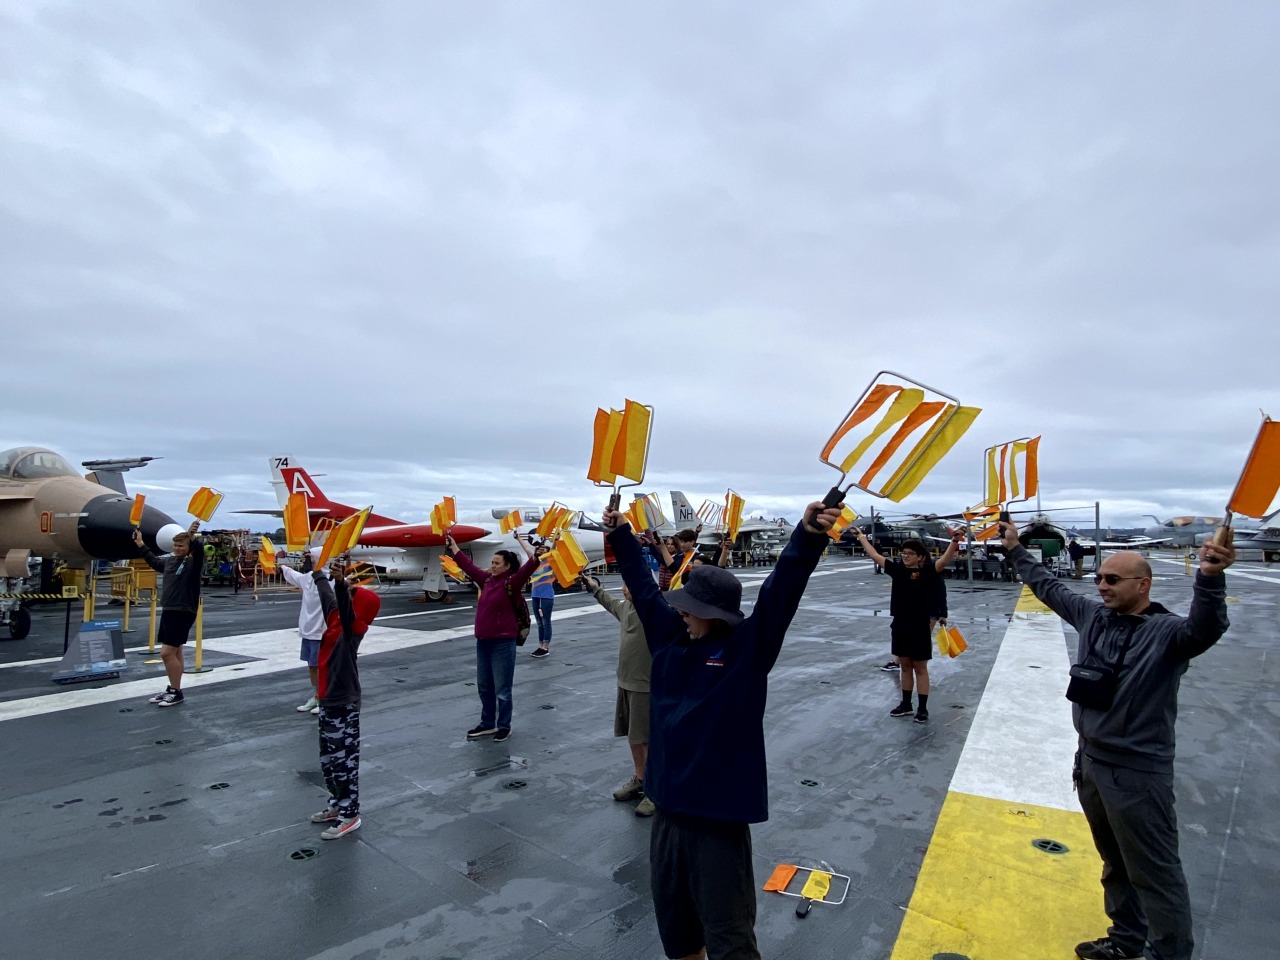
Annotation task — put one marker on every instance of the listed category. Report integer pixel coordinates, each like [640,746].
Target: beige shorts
[631,716]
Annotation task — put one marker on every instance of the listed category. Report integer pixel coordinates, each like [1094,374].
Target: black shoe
[540,652]
[901,710]
[922,715]
[475,733]
[171,699]
[891,666]
[1106,949]
[160,696]
[502,734]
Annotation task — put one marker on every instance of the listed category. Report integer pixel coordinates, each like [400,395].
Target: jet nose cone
[164,536]
[106,533]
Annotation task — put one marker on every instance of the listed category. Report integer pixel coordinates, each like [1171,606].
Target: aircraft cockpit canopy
[32,463]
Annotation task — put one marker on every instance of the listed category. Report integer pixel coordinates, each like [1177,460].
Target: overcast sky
[415,245]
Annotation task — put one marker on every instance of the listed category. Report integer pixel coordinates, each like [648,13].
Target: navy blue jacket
[707,697]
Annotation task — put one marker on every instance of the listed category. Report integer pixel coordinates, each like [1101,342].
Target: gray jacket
[1137,730]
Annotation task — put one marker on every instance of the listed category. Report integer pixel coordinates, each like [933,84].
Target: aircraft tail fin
[288,476]
[682,512]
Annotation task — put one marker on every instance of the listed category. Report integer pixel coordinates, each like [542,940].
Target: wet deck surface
[133,830]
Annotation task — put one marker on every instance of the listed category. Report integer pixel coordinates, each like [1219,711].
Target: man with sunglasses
[1131,658]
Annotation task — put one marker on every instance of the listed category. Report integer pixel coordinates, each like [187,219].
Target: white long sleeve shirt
[310,617]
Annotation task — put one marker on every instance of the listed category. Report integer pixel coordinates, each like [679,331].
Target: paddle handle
[834,497]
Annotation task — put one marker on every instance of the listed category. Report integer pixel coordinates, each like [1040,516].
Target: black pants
[340,756]
[704,888]
[1136,832]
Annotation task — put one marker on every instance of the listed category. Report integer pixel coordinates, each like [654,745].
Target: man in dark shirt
[705,771]
[1076,553]
[180,598]
[913,604]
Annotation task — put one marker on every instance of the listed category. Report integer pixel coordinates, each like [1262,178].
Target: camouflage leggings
[340,756]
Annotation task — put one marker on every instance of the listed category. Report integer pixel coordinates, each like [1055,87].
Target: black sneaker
[502,734]
[540,652]
[1106,949]
[901,710]
[475,733]
[171,699]
[891,666]
[922,715]
[160,696]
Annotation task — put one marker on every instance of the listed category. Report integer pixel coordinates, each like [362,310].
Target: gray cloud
[417,246]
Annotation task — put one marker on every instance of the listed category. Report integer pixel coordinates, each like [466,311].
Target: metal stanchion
[199,664]
[89,597]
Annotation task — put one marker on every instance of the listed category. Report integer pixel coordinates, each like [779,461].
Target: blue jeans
[495,667]
[542,613]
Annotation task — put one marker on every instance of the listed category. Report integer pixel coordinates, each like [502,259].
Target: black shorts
[175,626]
[911,639]
[704,888]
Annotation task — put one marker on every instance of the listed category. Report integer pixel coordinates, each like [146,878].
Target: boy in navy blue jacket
[706,767]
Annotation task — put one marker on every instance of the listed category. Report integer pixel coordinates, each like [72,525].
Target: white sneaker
[310,706]
[342,828]
[315,711]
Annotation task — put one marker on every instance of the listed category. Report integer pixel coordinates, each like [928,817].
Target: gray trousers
[1136,833]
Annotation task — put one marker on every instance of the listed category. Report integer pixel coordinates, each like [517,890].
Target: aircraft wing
[15,495]
[277,512]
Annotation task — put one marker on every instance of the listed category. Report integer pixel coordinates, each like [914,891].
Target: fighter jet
[48,510]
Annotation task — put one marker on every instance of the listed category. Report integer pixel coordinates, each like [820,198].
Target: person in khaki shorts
[631,715]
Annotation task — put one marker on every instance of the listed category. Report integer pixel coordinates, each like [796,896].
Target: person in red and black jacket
[348,614]
[501,588]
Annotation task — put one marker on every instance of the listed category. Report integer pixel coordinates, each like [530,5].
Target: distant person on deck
[183,572]
[310,624]
[543,595]
[1131,657]
[914,606]
[1076,553]
[706,772]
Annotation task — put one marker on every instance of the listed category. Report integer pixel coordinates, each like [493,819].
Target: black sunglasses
[1112,578]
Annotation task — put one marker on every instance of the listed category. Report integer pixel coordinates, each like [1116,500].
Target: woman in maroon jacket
[501,588]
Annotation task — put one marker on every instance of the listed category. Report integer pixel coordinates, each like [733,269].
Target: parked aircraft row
[48,509]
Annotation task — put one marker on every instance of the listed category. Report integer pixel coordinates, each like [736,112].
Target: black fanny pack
[1094,685]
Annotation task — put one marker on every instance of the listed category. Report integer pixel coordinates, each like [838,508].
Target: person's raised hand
[1008,534]
[1214,559]
[818,517]
[612,519]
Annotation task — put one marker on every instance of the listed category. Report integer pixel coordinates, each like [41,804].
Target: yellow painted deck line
[984,891]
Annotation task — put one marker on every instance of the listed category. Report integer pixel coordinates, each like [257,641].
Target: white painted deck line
[1232,571]
[1021,744]
[277,651]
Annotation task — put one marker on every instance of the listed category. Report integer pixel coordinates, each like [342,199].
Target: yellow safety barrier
[199,664]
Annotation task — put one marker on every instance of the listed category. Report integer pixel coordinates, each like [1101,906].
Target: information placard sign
[96,652]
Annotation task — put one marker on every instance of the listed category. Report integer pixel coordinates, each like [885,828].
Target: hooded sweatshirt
[707,696]
[1137,730]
